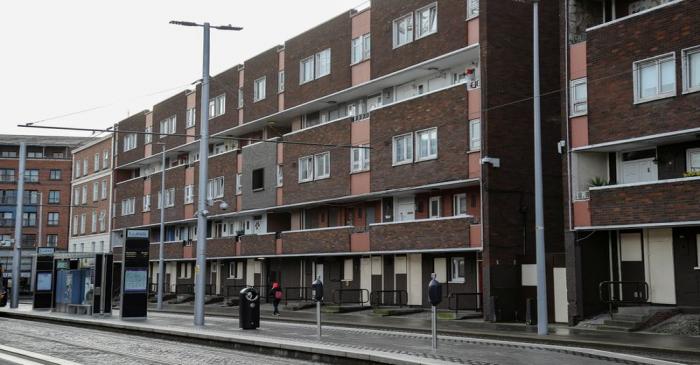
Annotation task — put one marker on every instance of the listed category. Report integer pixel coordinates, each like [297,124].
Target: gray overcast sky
[59,57]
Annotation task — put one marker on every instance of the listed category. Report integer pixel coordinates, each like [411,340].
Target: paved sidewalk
[559,334]
[355,343]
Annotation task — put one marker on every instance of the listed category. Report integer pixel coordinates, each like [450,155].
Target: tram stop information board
[134,298]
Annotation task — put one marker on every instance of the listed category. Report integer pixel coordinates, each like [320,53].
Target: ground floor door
[414,279]
[365,276]
[660,266]
[561,302]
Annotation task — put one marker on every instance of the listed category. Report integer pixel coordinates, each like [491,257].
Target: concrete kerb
[213,337]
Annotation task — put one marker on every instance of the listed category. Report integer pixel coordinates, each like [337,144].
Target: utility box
[249,309]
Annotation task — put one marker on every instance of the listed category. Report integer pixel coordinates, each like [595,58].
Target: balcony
[320,240]
[664,201]
[257,245]
[423,234]
[171,250]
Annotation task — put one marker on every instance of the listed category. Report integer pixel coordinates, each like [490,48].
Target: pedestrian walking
[276,294]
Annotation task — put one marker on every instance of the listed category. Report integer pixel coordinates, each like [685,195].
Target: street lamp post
[162,228]
[17,253]
[200,266]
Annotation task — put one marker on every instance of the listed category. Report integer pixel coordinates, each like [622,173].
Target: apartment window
[96,163]
[85,167]
[235,270]
[104,190]
[258,182]
[54,197]
[403,149]
[691,69]
[472,8]
[83,220]
[215,188]
[148,136]
[360,48]
[306,169]
[427,21]
[51,240]
[54,174]
[217,106]
[259,89]
[191,117]
[280,177]
[322,166]
[8,175]
[95,191]
[323,63]
[460,204]
[93,222]
[31,176]
[128,206]
[239,185]
[147,203]
[167,126]
[8,154]
[31,197]
[579,97]
[77,169]
[169,198]
[189,194]
[240,98]
[129,143]
[434,207]
[475,135]
[102,220]
[52,219]
[280,81]
[306,70]
[35,154]
[75,224]
[76,196]
[426,144]
[105,159]
[693,159]
[84,195]
[457,270]
[359,158]
[28,219]
[655,78]
[403,30]
[7,219]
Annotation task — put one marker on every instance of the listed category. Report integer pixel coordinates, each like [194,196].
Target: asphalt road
[87,346]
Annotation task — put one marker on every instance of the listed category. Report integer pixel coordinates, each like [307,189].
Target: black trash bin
[249,309]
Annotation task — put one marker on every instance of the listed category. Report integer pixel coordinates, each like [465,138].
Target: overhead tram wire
[112,130]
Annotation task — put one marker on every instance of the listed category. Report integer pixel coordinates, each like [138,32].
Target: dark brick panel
[429,234]
[265,64]
[258,245]
[318,241]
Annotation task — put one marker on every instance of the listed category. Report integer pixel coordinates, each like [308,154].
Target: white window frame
[129,142]
[697,244]
[474,136]
[472,9]
[105,159]
[96,163]
[147,203]
[83,194]
[189,194]
[93,222]
[416,147]
[191,117]
[85,167]
[217,106]
[431,30]
[431,213]
[306,164]
[322,66]
[83,219]
[95,191]
[359,158]
[574,102]
[280,81]
[102,220]
[148,135]
[326,171]
[409,30]
[454,265]
[688,155]
[280,176]
[128,206]
[215,188]
[356,51]
[305,77]
[407,151]
[657,61]
[103,187]
[687,74]
[239,185]
[241,101]
[168,126]
[456,205]
[259,86]
[76,224]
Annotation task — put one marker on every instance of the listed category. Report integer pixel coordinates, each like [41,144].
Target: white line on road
[31,355]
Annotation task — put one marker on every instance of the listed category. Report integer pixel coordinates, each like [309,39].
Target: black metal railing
[385,298]
[465,302]
[184,289]
[350,296]
[297,294]
[232,291]
[617,293]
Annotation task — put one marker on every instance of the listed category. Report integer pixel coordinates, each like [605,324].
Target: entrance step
[211,299]
[394,311]
[182,299]
[630,319]
[299,306]
[344,308]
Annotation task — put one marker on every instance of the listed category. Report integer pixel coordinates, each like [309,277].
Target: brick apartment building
[45,217]
[91,187]
[422,91]
[633,160]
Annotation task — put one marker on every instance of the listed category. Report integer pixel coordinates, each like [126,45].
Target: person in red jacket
[276,294]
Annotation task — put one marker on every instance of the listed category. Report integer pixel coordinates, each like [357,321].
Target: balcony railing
[320,240]
[258,244]
[440,233]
